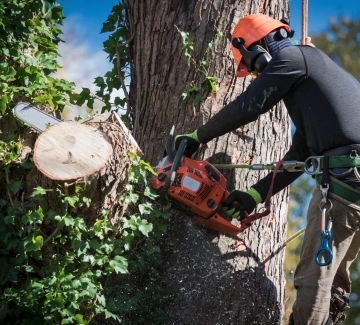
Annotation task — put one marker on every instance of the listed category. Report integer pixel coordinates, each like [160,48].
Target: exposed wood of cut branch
[70,150]
[128,133]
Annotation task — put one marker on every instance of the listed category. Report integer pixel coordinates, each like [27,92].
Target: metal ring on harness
[345,173]
[309,162]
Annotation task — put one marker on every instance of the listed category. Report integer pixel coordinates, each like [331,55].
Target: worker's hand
[237,203]
[308,42]
[193,143]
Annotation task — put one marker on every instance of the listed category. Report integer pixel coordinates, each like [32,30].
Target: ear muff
[255,58]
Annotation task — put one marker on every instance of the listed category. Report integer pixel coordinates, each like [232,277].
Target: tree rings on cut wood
[70,150]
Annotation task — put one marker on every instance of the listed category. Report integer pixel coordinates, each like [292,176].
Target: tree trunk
[216,279]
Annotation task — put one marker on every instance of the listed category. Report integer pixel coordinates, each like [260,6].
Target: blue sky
[319,13]
[90,15]
[82,55]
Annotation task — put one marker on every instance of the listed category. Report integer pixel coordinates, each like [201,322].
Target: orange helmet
[252,29]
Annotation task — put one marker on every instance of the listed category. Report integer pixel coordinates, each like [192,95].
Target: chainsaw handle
[179,154]
[176,163]
[168,145]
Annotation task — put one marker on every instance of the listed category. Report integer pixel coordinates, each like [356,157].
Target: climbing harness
[322,169]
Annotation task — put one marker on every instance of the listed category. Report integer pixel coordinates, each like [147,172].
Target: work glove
[239,202]
[193,143]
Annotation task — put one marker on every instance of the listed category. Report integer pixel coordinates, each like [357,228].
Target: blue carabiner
[324,248]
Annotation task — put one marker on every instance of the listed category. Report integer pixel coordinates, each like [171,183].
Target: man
[323,102]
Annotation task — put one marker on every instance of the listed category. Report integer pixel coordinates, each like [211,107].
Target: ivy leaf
[71,200]
[80,319]
[198,99]
[145,227]
[101,300]
[46,10]
[3,102]
[87,201]
[35,244]
[108,27]
[119,264]
[14,186]
[109,314]
[145,208]
[38,191]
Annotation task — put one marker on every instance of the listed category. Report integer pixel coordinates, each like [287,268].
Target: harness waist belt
[342,190]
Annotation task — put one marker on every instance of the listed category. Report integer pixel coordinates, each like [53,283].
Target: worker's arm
[284,72]
[298,151]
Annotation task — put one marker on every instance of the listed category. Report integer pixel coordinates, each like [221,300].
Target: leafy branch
[208,83]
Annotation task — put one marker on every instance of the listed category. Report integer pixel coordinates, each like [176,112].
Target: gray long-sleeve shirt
[322,99]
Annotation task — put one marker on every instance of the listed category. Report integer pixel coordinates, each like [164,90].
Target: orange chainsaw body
[198,186]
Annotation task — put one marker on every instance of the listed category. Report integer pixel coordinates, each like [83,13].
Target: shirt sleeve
[285,70]
[298,151]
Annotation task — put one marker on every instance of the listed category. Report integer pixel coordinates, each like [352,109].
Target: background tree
[182,73]
[341,42]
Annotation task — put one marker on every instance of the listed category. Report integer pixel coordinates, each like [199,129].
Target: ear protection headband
[256,57]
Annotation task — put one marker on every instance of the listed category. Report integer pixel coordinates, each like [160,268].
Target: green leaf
[108,27]
[80,319]
[3,103]
[101,300]
[87,201]
[145,227]
[76,284]
[198,99]
[109,314]
[46,10]
[36,244]
[119,264]
[38,191]
[14,186]
[145,208]
[71,200]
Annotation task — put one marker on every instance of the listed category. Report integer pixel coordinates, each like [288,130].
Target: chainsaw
[197,186]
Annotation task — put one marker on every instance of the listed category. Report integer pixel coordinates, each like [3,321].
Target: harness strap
[338,161]
[342,190]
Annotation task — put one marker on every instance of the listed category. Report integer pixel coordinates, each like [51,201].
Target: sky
[82,57]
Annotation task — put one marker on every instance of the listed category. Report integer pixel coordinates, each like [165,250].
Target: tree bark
[216,279]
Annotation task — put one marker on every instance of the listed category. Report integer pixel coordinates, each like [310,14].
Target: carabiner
[293,166]
[324,248]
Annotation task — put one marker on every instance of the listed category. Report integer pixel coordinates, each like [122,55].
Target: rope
[291,238]
[253,167]
[304,21]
